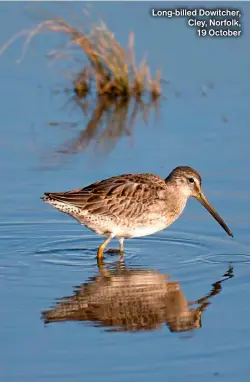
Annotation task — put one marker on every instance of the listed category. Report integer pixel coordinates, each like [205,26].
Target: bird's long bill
[203,200]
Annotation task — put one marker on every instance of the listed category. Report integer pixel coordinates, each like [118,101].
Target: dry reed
[109,72]
[111,67]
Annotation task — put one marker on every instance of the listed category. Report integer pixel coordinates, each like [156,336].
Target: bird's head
[188,181]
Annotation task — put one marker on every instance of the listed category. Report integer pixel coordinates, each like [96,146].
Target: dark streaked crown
[181,171]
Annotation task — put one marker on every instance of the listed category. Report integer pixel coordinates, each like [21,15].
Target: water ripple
[225,258]
[74,251]
[177,249]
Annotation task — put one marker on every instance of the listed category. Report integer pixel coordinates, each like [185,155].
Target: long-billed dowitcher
[132,205]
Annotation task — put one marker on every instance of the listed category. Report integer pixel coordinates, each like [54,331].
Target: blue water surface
[204,122]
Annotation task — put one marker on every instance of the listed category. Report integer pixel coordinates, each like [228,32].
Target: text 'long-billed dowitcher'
[132,205]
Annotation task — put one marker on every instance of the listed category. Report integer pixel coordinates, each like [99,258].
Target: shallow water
[45,255]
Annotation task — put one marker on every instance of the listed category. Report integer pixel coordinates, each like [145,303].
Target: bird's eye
[191,180]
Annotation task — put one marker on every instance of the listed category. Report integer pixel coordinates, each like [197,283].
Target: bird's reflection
[123,299]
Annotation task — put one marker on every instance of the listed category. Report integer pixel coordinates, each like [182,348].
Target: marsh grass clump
[110,67]
[109,88]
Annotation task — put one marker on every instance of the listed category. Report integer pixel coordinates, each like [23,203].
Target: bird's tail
[53,196]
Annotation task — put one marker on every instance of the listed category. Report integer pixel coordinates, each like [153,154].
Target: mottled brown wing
[127,196]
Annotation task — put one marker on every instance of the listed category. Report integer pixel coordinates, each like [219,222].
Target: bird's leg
[121,240]
[103,246]
[113,251]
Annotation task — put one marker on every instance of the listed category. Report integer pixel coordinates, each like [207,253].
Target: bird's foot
[113,251]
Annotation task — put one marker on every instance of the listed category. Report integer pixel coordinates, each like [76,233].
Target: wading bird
[132,205]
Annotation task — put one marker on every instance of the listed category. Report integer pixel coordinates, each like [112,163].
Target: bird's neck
[176,199]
